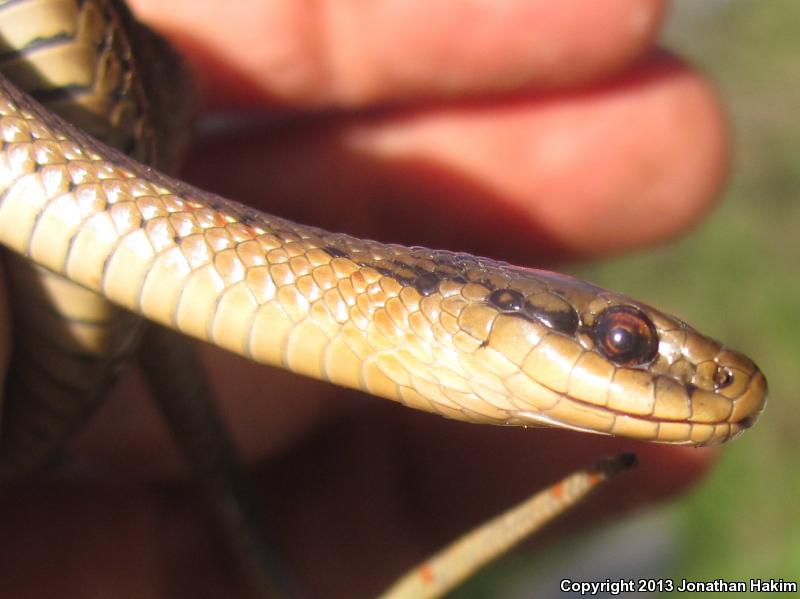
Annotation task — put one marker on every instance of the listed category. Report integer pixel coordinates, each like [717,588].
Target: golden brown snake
[466,337]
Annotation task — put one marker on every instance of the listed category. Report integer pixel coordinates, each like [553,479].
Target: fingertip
[328,54]
[387,53]
[524,177]
[650,158]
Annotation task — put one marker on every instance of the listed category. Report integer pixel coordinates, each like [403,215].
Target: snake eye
[625,336]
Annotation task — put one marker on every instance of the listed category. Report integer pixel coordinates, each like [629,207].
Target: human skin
[527,130]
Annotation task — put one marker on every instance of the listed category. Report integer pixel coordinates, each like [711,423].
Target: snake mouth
[584,416]
[696,434]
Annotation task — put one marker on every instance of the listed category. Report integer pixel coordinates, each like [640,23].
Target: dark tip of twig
[614,465]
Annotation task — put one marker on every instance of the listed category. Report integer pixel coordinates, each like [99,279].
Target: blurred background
[738,277]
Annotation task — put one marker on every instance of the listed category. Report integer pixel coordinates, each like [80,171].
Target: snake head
[480,340]
[597,361]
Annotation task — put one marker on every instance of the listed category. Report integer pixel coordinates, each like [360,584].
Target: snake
[466,337]
[469,338]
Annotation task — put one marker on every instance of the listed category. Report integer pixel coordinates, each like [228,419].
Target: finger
[524,178]
[265,408]
[380,492]
[354,53]
[350,510]
[80,538]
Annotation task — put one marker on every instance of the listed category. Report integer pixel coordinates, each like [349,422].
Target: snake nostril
[746,422]
[723,377]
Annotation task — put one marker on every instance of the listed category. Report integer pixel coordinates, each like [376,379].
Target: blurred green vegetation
[742,270]
[738,277]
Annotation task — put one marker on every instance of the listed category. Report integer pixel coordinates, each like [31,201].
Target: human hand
[528,131]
